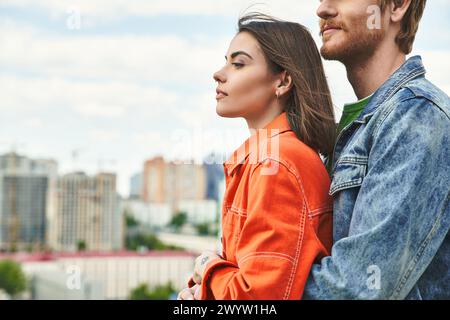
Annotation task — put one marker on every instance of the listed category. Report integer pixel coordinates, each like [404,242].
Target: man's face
[347,29]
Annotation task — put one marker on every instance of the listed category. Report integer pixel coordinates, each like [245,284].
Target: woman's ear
[285,83]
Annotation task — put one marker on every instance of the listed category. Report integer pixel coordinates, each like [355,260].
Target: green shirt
[350,113]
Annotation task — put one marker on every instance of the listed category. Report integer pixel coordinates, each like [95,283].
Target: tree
[13,247]
[81,245]
[149,241]
[130,221]
[203,229]
[12,278]
[178,220]
[140,293]
[161,292]
[29,248]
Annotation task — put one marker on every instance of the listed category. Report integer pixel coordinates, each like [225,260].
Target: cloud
[103,136]
[169,60]
[114,9]
[91,99]
[437,67]
[33,123]
[95,110]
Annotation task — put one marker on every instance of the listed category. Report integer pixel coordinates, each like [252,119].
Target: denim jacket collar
[409,70]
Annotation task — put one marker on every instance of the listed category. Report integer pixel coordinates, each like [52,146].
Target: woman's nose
[219,76]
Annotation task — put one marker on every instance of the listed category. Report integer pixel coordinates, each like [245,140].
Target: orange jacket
[276,218]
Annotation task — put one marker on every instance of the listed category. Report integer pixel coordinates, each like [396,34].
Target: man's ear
[398,9]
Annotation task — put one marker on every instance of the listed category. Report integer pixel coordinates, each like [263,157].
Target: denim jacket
[390,188]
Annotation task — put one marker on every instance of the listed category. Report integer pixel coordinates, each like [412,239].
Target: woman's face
[246,87]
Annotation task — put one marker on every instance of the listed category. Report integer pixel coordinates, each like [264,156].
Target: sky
[103,85]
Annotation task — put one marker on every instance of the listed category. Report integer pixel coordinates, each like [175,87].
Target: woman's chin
[222,112]
[225,113]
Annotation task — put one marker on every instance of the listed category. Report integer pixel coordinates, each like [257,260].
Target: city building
[23,201]
[154,184]
[92,275]
[149,215]
[171,182]
[56,285]
[26,201]
[214,175]
[199,211]
[87,213]
[136,186]
[13,163]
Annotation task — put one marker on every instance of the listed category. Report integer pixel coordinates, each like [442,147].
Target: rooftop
[45,256]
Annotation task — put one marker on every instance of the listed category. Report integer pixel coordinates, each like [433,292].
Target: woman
[276,213]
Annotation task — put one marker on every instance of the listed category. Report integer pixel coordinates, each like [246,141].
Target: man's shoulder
[421,90]
[419,101]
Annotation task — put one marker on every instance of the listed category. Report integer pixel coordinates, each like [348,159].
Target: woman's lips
[220,96]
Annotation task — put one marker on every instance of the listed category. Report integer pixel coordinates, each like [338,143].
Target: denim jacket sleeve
[402,213]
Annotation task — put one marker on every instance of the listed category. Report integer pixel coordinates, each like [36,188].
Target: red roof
[44,256]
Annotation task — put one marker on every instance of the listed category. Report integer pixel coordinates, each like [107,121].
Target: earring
[277,94]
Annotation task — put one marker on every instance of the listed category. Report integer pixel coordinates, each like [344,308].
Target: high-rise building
[26,187]
[153,180]
[13,163]
[170,182]
[136,186]
[214,175]
[87,213]
[154,183]
[23,211]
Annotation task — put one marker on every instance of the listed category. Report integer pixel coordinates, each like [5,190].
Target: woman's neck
[262,120]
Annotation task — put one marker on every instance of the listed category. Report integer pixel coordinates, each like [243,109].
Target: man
[391,164]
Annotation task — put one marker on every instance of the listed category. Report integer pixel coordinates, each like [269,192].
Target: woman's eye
[238,65]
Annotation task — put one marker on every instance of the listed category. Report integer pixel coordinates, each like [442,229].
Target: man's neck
[367,75]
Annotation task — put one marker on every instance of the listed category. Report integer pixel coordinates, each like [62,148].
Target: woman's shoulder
[299,162]
[290,152]
[288,149]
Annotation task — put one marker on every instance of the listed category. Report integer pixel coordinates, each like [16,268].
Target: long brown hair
[289,46]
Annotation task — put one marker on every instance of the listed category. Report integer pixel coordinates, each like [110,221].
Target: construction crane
[14,222]
[75,155]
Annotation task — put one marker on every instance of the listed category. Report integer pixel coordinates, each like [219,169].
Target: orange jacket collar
[277,126]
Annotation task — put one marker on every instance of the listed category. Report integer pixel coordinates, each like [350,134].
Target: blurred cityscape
[73,236]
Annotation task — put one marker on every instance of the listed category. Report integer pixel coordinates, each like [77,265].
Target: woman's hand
[197,292]
[193,293]
[200,265]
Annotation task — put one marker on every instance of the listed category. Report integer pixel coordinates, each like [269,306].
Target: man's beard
[359,44]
